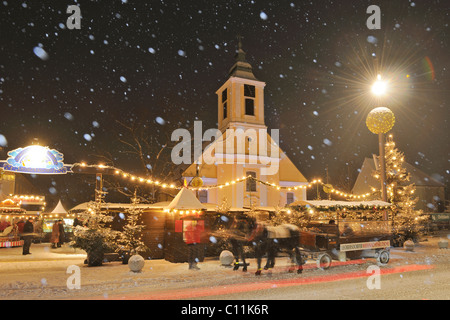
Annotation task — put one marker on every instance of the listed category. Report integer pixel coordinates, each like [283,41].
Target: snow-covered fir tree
[131,236]
[95,236]
[406,220]
[224,206]
[396,174]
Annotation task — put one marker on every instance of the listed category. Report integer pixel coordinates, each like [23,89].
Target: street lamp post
[379,121]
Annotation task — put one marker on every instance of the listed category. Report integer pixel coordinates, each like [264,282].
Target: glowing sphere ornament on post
[380,120]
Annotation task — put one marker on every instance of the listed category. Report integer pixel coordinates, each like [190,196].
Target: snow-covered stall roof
[59,209]
[186,200]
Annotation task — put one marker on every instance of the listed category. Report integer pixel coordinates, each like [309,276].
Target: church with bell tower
[253,152]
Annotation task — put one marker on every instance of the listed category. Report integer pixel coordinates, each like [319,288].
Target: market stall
[11,217]
[185,214]
[59,213]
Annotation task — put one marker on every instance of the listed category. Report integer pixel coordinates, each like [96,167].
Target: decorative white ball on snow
[409,245]
[443,244]
[136,263]
[226,258]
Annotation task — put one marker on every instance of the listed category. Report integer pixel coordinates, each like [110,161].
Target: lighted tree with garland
[220,224]
[406,220]
[95,236]
[396,174]
[224,207]
[131,236]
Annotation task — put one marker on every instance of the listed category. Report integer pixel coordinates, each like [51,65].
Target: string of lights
[150,181]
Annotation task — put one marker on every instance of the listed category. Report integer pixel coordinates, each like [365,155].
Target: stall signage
[365,245]
[35,160]
[440,216]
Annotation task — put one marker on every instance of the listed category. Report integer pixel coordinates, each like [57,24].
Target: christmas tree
[396,174]
[131,236]
[94,236]
[224,207]
[405,219]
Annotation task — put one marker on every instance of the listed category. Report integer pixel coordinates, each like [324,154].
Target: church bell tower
[241,97]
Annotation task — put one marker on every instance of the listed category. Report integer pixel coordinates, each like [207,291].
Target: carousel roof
[18,210]
[10,206]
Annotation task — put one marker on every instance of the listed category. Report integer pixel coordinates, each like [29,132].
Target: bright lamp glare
[379,87]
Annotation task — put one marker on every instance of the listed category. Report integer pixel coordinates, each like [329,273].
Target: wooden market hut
[153,218]
[185,209]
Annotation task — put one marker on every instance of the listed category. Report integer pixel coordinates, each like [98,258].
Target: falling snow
[163,61]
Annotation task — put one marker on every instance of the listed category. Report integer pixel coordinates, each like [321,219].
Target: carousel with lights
[11,216]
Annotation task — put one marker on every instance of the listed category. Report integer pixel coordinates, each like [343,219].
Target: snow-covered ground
[43,274]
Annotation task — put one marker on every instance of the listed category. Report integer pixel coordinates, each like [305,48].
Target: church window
[203,196]
[289,197]
[249,93]
[250,183]
[225,103]
[249,107]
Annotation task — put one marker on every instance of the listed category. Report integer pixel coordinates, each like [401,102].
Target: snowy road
[422,274]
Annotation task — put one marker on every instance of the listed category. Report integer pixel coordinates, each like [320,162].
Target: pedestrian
[55,234]
[62,235]
[28,230]
[193,233]
[20,226]
[77,222]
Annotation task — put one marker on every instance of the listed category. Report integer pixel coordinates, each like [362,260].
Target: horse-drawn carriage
[338,238]
[346,240]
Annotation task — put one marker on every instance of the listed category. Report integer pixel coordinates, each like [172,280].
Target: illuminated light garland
[125,175]
[186,212]
[27,198]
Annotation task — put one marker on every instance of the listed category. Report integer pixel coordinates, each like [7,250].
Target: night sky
[159,63]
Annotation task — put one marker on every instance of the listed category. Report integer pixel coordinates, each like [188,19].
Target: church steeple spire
[241,68]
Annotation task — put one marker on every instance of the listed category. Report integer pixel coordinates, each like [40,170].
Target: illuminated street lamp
[379,88]
[379,121]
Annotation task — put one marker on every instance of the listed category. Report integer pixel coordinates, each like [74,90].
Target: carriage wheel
[324,261]
[383,256]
